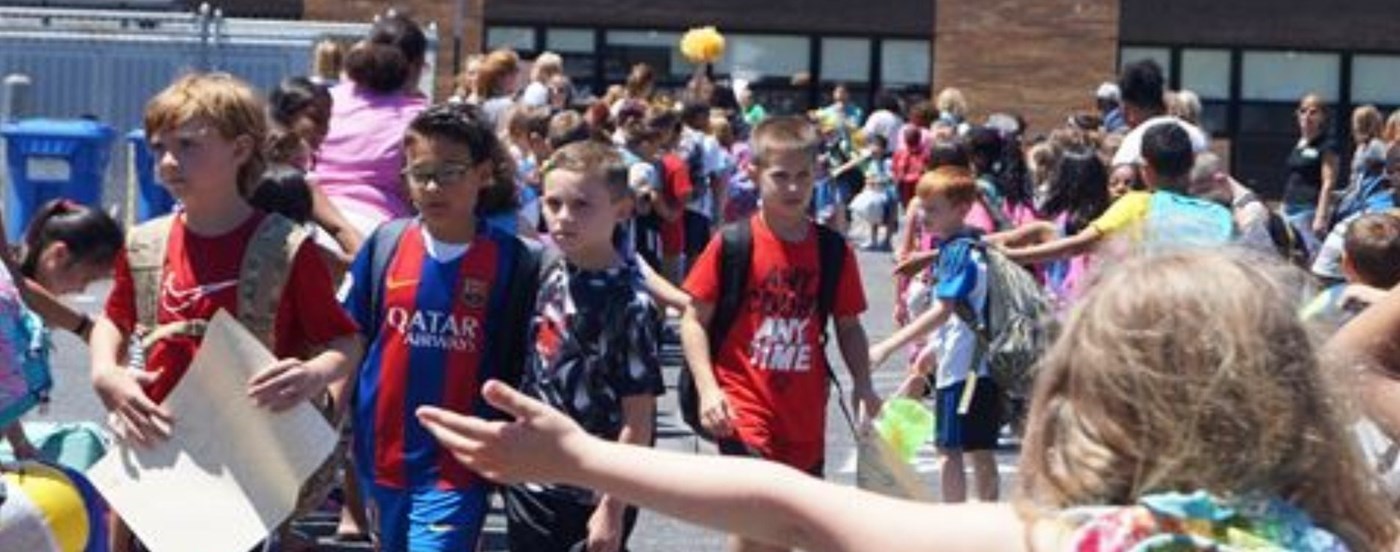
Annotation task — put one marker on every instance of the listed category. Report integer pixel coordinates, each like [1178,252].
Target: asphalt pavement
[73,400]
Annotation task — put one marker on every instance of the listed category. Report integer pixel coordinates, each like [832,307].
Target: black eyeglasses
[445,174]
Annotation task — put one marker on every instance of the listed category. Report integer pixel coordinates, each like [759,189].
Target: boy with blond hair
[758,364]
[216,253]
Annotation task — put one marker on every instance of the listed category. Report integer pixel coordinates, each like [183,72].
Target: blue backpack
[1371,194]
[1176,220]
[25,380]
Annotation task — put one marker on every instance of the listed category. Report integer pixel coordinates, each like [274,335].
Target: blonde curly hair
[1191,371]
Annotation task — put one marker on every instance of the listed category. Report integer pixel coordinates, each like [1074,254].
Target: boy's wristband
[84,325]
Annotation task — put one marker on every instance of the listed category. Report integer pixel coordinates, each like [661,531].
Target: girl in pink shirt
[359,162]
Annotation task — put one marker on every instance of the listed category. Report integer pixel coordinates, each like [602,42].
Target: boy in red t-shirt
[206,131]
[764,391]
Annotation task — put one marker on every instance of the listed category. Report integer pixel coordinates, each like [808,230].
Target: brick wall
[1043,58]
[424,11]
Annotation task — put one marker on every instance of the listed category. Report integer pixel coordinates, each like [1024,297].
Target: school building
[1249,60]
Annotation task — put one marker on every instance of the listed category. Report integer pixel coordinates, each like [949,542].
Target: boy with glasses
[430,295]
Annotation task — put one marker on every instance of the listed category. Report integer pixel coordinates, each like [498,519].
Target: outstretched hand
[915,263]
[541,445]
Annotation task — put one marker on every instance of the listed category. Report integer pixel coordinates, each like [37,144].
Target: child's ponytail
[90,234]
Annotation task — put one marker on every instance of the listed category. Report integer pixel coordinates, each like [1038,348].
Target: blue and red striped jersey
[430,347]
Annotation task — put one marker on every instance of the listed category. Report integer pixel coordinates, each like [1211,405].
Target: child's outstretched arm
[715,412]
[1030,233]
[1062,248]
[55,313]
[855,348]
[132,415]
[638,425]
[20,445]
[757,499]
[934,317]
[662,290]
[329,218]
[1369,341]
[288,382]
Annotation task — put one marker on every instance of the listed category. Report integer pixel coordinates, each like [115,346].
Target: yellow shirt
[1128,212]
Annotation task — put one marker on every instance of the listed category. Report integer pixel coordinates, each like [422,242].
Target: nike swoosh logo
[399,284]
[442,528]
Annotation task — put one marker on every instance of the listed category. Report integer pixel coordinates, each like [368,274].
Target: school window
[765,58]
[576,47]
[520,39]
[569,41]
[659,49]
[1375,80]
[1207,73]
[1288,76]
[905,63]
[1134,54]
[845,60]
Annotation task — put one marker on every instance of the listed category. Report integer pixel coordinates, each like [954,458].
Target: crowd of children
[398,255]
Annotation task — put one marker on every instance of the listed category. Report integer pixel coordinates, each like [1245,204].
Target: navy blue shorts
[976,430]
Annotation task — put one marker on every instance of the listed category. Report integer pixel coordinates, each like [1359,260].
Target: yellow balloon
[702,45]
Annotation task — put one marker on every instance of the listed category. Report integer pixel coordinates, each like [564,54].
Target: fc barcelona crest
[474,293]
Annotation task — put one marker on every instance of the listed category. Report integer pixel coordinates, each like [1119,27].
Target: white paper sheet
[231,471]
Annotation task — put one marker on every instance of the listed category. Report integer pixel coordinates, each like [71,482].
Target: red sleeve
[309,314]
[678,180]
[850,294]
[703,282]
[121,300]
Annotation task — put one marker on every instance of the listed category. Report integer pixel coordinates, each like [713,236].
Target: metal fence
[107,64]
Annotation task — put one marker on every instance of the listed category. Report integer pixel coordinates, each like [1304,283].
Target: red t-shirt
[771,366]
[200,277]
[676,176]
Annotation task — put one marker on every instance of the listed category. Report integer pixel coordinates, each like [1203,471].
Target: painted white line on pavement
[926,462]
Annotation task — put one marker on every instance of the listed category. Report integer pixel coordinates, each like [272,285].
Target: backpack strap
[145,252]
[831,256]
[525,262]
[735,260]
[831,252]
[267,265]
[383,243]
[980,329]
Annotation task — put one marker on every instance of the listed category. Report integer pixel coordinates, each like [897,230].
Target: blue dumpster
[51,159]
[148,197]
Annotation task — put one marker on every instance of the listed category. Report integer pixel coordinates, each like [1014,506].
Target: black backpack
[735,258]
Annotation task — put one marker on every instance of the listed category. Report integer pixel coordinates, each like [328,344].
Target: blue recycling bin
[50,159]
[148,197]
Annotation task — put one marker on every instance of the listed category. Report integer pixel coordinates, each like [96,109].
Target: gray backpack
[1018,326]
